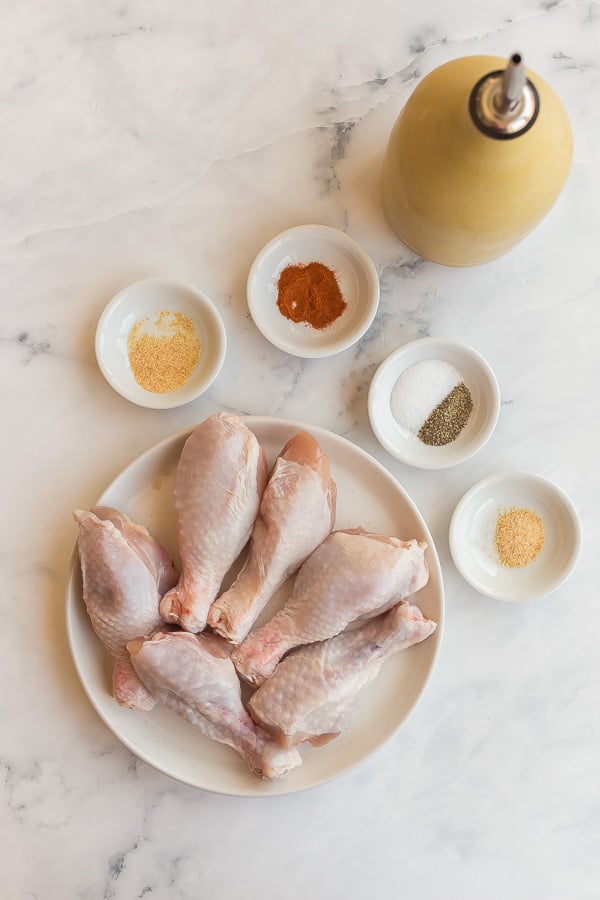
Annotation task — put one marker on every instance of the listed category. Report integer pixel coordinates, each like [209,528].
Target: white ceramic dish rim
[432,343]
[185,394]
[371,305]
[490,481]
[434,563]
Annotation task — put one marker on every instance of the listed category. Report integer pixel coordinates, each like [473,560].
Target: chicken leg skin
[296,514]
[193,675]
[125,573]
[312,691]
[219,481]
[353,574]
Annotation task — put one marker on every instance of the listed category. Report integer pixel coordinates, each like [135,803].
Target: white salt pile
[419,389]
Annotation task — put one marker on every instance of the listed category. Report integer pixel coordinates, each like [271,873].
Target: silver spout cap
[504,104]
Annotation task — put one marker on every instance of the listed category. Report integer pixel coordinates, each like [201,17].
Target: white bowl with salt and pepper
[515,536]
[354,271]
[161,309]
[442,390]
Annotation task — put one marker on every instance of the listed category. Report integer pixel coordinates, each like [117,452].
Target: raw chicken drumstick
[125,573]
[219,481]
[312,691]
[297,512]
[193,675]
[353,575]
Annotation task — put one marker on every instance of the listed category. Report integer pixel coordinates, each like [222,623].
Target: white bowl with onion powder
[160,344]
[434,403]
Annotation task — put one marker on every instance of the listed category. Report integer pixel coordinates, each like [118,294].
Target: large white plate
[367,495]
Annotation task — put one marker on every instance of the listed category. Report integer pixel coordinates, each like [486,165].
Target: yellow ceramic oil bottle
[475,160]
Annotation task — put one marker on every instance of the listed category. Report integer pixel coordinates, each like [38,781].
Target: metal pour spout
[504,103]
[513,82]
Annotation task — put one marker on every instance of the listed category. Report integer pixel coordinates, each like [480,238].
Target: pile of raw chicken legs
[306,667]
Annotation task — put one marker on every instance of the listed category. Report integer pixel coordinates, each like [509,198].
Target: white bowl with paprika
[313,291]
[160,344]
[515,536]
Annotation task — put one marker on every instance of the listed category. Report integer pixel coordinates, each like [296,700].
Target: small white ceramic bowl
[357,279]
[473,526]
[404,444]
[146,298]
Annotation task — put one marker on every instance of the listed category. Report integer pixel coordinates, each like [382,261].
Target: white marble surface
[144,139]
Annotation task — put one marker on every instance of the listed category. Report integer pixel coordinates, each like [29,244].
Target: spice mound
[163,351]
[519,537]
[310,293]
[431,400]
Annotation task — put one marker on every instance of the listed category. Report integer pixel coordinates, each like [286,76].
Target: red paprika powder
[310,293]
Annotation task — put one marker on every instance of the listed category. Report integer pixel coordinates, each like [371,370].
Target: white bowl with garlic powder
[472,536]
[144,304]
[412,382]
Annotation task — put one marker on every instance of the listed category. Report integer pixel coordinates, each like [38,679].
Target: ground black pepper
[448,419]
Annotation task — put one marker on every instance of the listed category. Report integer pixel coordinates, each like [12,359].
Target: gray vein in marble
[376,81]
[578,67]
[407,269]
[343,123]
[27,793]
[333,147]
[33,348]
[372,336]
[375,90]
[545,10]
[109,35]
[424,41]
[417,311]
[145,207]
[291,372]
[39,347]
[136,29]
[326,173]
[419,46]
[116,864]
[175,866]
[354,390]
[341,140]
